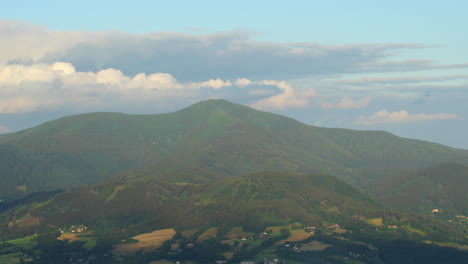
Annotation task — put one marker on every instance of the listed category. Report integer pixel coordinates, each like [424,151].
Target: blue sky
[400,66]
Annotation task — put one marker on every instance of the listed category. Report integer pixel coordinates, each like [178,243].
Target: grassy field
[375,221]
[414,230]
[69,236]
[10,258]
[210,233]
[90,241]
[296,235]
[314,246]
[238,232]
[275,229]
[24,242]
[146,242]
[448,244]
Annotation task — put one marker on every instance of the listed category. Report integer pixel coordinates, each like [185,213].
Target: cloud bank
[346,103]
[39,87]
[189,57]
[385,117]
[44,86]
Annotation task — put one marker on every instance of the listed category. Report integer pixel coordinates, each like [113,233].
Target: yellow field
[414,230]
[448,244]
[69,236]
[21,188]
[237,232]
[375,221]
[210,233]
[296,235]
[146,242]
[314,246]
[340,231]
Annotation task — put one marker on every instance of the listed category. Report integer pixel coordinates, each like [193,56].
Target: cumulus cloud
[287,98]
[44,86]
[216,84]
[384,116]
[243,82]
[346,103]
[198,57]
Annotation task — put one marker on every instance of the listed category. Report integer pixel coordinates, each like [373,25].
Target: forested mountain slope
[208,140]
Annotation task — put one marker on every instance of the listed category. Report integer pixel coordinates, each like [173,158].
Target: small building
[190,245]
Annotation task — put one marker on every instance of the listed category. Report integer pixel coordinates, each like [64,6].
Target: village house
[331,227]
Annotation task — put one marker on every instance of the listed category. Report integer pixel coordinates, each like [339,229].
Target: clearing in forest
[146,242]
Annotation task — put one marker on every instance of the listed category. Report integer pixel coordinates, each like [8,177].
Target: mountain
[442,187]
[209,140]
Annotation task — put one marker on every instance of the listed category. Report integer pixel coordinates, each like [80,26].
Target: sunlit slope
[262,198]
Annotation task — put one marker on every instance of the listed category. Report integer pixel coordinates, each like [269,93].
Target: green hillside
[443,187]
[263,198]
[305,218]
[209,140]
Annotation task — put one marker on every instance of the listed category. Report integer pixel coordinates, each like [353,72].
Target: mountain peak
[212,104]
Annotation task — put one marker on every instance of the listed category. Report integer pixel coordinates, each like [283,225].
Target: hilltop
[209,140]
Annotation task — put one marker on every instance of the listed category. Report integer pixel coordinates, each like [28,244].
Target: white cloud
[243,82]
[198,57]
[44,86]
[23,42]
[346,103]
[216,84]
[288,98]
[24,104]
[384,116]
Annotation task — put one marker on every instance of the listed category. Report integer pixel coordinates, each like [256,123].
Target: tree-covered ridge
[272,197]
[209,140]
[442,187]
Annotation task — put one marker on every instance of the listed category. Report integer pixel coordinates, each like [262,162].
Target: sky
[398,66]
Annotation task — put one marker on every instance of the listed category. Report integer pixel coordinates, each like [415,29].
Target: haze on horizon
[400,66]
